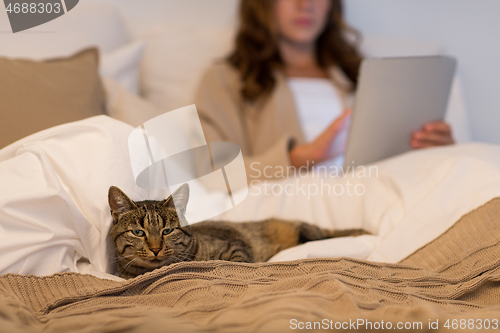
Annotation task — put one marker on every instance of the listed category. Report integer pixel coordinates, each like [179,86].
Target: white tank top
[318,104]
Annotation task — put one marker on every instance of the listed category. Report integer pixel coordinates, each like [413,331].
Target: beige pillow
[37,95]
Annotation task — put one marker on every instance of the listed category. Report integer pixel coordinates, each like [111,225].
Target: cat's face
[149,234]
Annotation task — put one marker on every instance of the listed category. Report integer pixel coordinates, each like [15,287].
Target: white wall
[469,30]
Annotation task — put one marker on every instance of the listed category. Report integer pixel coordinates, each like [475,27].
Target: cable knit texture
[455,276]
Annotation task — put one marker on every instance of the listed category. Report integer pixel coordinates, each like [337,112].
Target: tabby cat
[150,234]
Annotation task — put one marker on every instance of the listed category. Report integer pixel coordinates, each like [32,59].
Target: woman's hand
[318,150]
[432,134]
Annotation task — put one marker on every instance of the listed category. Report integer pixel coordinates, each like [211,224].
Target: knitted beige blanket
[451,283]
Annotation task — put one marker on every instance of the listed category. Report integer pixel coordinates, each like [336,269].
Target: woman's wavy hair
[256,53]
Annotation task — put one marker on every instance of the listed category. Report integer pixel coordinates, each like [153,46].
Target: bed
[432,256]
[452,282]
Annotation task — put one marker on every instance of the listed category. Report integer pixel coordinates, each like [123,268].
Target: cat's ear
[179,199]
[119,203]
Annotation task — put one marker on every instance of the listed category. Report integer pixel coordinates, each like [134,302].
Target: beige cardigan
[264,131]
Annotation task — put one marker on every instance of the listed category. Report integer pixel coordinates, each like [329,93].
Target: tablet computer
[395,97]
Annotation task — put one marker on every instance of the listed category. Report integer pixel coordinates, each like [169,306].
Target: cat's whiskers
[125,256]
[165,255]
[115,259]
[127,265]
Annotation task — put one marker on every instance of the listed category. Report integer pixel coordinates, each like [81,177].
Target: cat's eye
[139,233]
[167,231]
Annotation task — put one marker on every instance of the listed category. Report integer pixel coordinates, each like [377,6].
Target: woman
[281,92]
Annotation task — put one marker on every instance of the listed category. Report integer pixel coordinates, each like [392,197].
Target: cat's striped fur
[149,234]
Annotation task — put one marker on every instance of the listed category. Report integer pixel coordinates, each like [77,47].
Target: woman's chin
[300,37]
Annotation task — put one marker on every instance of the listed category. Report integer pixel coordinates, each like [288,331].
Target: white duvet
[54,215]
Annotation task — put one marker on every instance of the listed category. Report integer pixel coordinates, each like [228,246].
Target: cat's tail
[309,232]
[292,233]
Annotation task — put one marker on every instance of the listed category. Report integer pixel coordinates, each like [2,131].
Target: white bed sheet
[54,210]
[415,198]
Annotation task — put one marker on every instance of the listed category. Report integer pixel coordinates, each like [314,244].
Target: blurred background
[466,29]
[181,38]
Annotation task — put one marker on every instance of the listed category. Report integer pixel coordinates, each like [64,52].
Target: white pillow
[125,106]
[122,65]
[175,60]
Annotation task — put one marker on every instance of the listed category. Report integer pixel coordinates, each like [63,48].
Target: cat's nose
[156,250]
